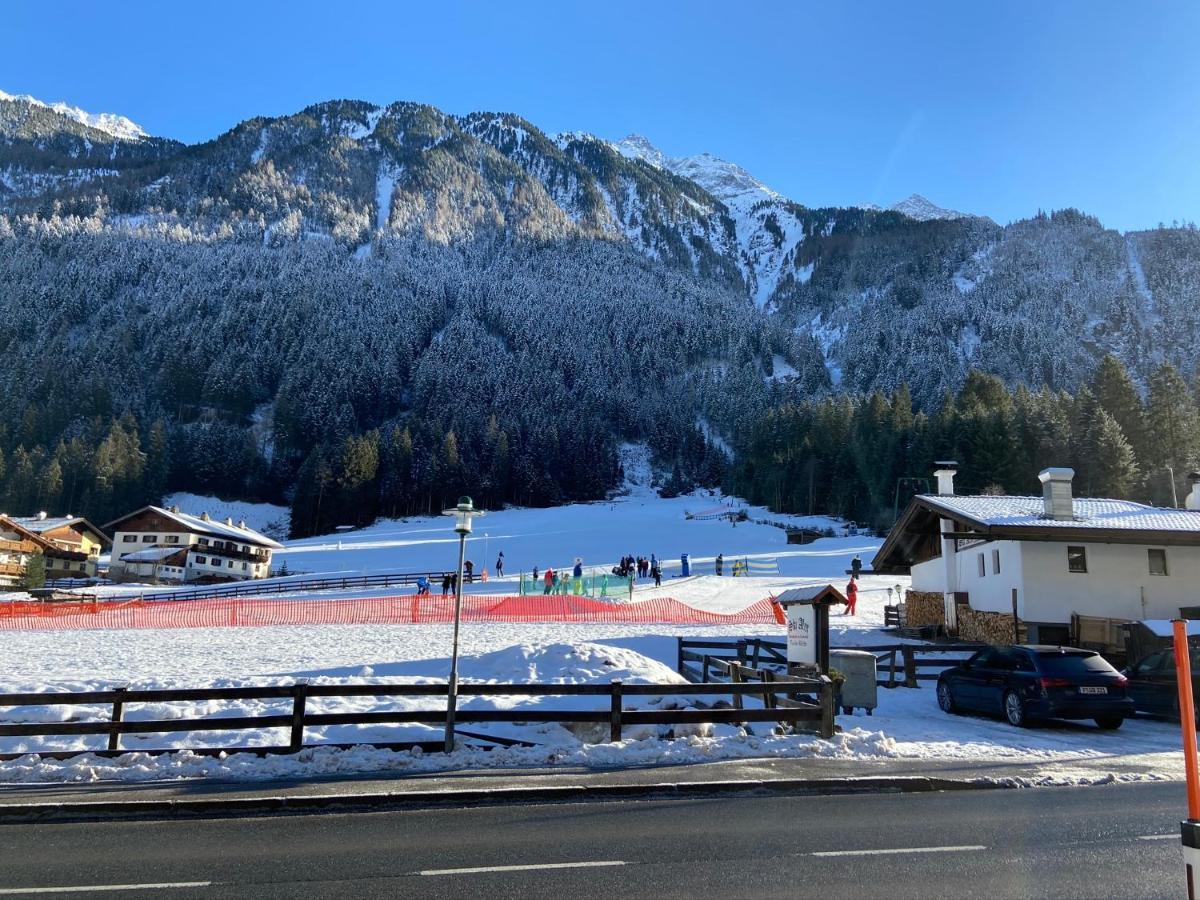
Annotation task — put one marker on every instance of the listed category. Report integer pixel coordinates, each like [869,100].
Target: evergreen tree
[1113,465]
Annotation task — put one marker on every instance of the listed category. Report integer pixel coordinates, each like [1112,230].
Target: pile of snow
[110,123]
[265,518]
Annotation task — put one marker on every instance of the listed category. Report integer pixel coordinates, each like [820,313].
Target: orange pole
[1187,717]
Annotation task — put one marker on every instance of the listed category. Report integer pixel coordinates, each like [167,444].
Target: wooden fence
[897,664]
[786,711]
[255,588]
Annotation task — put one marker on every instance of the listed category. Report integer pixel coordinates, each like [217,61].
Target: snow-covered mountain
[917,207]
[110,123]
[913,293]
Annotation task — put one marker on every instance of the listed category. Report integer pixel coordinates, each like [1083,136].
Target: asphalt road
[1095,842]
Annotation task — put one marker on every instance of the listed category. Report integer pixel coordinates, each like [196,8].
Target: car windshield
[1073,664]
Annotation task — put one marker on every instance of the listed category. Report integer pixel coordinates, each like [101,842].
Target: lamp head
[463,513]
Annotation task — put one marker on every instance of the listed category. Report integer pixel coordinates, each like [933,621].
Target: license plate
[1093,690]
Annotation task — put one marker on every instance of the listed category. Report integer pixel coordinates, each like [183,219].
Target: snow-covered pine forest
[365,310]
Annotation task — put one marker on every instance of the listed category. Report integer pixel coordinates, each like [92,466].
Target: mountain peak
[637,147]
[917,207]
[110,123]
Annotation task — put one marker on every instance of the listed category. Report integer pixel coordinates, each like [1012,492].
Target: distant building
[71,546]
[156,544]
[995,567]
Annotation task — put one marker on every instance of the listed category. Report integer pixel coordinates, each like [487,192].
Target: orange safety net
[399,610]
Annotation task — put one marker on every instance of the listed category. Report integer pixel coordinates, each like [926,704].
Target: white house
[1042,559]
[156,544]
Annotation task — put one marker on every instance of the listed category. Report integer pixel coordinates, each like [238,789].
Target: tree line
[863,457]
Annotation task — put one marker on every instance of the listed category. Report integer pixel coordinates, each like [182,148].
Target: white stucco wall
[991,592]
[1112,585]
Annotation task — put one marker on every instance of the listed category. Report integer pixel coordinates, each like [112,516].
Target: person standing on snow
[855,568]
[851,597]
[720,563]
[578,570]
[447,581]
[500,565]
[549,580]
[656,572]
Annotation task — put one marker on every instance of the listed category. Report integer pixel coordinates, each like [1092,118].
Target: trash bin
[685,565]
[859,690]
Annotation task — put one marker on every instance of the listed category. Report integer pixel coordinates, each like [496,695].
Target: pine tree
[1118,396]
[1113,465]
[1173,432]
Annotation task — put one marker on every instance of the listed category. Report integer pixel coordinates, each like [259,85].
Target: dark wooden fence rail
[897,664]
[788,711]
[258,589]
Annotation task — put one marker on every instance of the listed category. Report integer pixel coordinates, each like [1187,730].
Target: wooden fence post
[614,733]
[910,667]
[735,677]
[768,679]
[892,669]
[704,674]
[299,701]
[118,713]
[826,696]
[679,656]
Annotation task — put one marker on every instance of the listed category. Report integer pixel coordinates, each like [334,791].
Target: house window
[231,564]
[147,539]
[129,539]
[204,542]
[172,539]
[244,567]
[1158,561]
[982,565]
[995,562]
[1077,559]
[201,560]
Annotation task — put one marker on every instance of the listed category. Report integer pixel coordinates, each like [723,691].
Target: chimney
[204,517]
[242,524]
[229,521]
[945,476]
[41,516]
[1056,493]
[1192,500]
[175,509]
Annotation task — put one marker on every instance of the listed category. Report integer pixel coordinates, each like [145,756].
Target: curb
[224,807]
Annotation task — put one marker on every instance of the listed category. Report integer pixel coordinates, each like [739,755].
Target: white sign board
[802,633]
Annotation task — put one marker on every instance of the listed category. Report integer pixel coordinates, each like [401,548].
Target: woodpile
[985,627]
[924,608]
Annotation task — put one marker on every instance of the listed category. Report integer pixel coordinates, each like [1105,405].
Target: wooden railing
[788,711]
[896,664]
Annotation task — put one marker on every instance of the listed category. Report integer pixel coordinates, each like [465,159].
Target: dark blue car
[1034,681]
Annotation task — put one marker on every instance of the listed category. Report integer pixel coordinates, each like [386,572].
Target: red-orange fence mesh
[406,610]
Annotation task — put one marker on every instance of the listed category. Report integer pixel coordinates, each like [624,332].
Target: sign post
[807,611]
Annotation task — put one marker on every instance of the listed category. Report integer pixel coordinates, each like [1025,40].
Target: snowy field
[907,724]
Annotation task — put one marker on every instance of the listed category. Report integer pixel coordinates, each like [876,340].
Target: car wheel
[1109,723]
[945,698]
[1014,710]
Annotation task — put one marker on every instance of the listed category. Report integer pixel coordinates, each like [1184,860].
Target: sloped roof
[41,526]
[1096,520]
[814,593]
[211,527]
[1089,513]
[152,554]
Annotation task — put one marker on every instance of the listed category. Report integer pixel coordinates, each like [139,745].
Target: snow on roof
[212,527]
[1089,513]
[806,594]
[151,554]
[38,526]
[1163,627]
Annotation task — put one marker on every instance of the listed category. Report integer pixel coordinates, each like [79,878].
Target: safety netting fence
[397,610]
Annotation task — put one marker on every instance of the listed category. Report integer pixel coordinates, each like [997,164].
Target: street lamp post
[463,514]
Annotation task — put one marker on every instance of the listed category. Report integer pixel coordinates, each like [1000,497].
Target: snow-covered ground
[907,724]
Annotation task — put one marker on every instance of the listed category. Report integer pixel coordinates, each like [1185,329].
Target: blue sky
[995,108]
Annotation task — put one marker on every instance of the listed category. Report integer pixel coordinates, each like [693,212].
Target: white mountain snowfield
[907,724]
[110,123]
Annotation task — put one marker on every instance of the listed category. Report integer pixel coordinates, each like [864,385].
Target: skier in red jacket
[851,597]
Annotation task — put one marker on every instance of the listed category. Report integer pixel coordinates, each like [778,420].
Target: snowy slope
[110,123]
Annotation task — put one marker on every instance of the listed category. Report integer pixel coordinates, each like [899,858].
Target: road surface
[1110,842]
